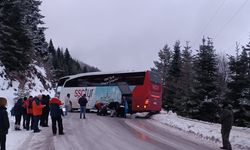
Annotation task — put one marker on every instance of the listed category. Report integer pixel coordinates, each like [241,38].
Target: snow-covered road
[99,133]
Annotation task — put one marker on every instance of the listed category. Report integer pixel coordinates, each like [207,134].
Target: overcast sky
[116,35]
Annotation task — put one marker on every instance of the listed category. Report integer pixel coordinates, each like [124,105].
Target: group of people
[35,111]
[116,108]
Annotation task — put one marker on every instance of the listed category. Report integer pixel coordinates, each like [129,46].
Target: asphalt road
[107,133]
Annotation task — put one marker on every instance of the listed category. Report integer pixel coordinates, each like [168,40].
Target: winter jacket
[24,106]
[55,110]
[37,107]
[226,119]
[28,105]
[114,105]
[4,120]
[66,101]
[45,101]
[82,101]
[18,107]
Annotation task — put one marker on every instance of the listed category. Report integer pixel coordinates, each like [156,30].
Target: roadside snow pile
[239,137]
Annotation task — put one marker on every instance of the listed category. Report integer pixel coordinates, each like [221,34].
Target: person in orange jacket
[37,108]
[29,116]
[24,112]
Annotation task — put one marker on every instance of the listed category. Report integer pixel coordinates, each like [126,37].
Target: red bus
[143,89]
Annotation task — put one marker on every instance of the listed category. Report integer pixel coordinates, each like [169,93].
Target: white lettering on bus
[110,80]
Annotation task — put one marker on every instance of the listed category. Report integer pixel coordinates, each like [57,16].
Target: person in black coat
[56,113]
[18,111]
[226,119]
[46,109]
[82,102]
[4,123]
[114,107]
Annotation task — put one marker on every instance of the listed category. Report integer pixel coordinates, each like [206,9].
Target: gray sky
[128,34]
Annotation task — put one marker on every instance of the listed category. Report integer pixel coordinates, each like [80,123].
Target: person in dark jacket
[4,123]
[82,102]
[18,111]
[124,103]
[226,119]
[45,111]
[114,107]
[56,113]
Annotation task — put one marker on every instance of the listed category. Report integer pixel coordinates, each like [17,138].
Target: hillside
[33,82]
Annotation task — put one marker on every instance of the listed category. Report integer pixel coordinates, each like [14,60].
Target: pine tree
[186,81]
[15,42]
[205,94]
[239,87]
[173,84]
[162,66]
[33,22]
[68,62]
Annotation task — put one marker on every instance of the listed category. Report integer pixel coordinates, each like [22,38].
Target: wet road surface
[107,133]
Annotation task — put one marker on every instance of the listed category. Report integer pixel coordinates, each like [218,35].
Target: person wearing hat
[226,118]
[5,124]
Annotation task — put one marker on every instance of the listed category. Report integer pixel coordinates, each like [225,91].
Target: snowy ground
[15,138]
[239,137]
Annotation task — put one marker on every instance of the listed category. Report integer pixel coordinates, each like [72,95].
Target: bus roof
[99,73]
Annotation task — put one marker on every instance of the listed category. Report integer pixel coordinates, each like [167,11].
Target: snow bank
[9,89]
[239,137]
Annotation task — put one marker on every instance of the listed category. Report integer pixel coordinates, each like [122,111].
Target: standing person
[18,111]
[28,106]
[37,108]
[4,123]
[55,113]
[67,104]
[226,119]
[82,102]
[45,111]
[125,104]
[24,112]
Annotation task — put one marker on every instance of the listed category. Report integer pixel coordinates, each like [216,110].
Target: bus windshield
[62,80]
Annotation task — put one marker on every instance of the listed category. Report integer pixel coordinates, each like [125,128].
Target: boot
[17,127]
